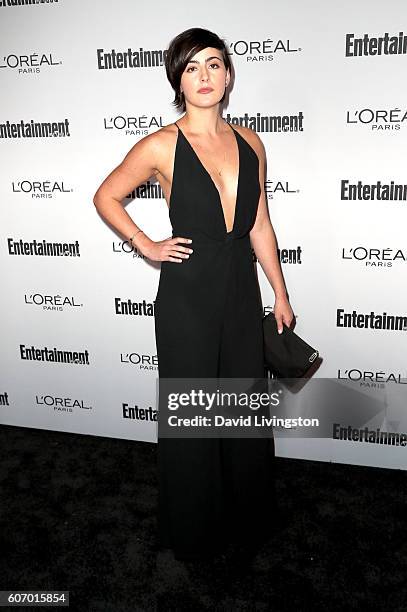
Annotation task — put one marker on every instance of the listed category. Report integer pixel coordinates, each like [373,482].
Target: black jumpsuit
[208,323]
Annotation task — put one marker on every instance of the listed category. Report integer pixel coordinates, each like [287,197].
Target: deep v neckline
[213,182]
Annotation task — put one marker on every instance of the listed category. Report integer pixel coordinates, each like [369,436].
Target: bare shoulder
[253,139]
[156,146]
[162,137]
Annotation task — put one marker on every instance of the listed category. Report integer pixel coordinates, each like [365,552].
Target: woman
[208,315]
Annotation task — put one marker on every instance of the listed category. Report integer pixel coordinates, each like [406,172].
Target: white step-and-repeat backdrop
[324,87]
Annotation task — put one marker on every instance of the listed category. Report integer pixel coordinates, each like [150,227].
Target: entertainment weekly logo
[4,400]
[389,192]
[53,355]
[28,64]
[269,123]
[56,303]
[287,255]
[13,3]
[148,190]
[371,320]
[61,405]
[290,256]
[371,257]
[40,189]
[375,45]
[141,360]
[371,436]
[133,126]
[371,379]
[42,248]
[35,129]
[135,413]
[254,51]
[378,120]
[128,307]
[123,59]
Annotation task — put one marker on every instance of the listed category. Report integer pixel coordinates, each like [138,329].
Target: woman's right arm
[140,163]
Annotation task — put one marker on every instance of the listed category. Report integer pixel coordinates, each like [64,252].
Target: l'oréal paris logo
[133,126]
[378,120]
[40,189]
[262,50]
[373,257]
[61,404]
[27,63]
[374,379]
[52,302]
[273,189]
[124,247]
[142,361]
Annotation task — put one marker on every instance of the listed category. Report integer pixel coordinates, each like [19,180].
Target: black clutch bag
[286,355]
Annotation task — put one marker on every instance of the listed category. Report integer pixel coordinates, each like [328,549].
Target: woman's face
[205,71]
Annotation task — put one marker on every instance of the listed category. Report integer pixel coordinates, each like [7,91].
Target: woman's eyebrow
[207,59]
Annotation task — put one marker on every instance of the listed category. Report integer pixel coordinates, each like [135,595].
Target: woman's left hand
[283,313]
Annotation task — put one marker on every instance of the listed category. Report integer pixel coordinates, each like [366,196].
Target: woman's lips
[205,90]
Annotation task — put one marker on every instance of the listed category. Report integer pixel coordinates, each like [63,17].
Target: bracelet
[131,238]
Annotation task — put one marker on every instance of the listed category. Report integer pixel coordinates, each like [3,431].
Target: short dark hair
[179,52]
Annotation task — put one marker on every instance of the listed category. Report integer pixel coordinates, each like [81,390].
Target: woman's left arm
[263,240]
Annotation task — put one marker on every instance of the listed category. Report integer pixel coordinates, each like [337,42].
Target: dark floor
[78,513]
